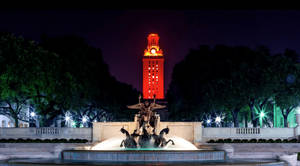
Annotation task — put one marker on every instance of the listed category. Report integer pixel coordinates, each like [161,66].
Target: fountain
[145,143]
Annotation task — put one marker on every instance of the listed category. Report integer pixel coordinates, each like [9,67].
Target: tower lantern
[153,69]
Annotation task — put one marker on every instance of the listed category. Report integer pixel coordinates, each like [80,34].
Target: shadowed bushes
[20,140]
[228,140]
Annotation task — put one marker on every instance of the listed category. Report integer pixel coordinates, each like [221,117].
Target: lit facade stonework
[153,69]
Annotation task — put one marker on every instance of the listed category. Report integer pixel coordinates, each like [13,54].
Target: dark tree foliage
[95,86]
[59,75]
[236,80]
[28,75]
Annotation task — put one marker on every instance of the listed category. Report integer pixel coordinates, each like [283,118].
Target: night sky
[121,35]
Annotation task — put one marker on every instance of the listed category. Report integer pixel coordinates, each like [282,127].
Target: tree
[229,79]
[95,87]
[286,73]
[23,78]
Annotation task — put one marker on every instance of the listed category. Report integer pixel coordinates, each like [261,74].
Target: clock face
[153,51]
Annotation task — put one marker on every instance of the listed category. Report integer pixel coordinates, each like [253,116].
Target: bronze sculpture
[146,116]
[146,128]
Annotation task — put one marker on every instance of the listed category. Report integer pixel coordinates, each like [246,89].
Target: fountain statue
[147,121]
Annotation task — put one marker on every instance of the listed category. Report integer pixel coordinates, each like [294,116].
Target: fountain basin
[143,155]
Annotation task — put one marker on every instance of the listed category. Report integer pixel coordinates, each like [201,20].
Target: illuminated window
[152,76]
[149,68]
[149,91]
[156,65]
[156,79]
[156,76]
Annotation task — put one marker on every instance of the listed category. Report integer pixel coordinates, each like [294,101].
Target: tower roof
[153,46]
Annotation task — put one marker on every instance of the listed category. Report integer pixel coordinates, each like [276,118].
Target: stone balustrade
[247,130]
[247,133]
[46,133]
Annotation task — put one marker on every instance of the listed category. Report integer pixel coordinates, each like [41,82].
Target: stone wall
[248,133]
[191,131]
[46,133]
[254,150]
[37,150]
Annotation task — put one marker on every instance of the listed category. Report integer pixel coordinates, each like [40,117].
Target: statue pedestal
[156,123]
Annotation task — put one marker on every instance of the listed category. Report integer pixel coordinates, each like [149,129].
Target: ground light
[218,119]
[84,119]
[208,121]
[261,116]
[67,118]
[32,114]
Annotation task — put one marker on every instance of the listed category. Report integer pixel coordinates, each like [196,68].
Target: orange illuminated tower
[153,69]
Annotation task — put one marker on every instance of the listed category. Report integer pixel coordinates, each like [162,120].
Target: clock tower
[153,69]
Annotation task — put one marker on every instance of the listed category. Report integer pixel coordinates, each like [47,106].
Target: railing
[47,131]
[247,130]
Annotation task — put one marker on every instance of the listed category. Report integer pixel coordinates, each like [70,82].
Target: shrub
[278,141]
[220,141]
[270,141]
[38,141]
[20,140]
[11,140]
[262,141]
[293,140]
[245,141]
[85,140]
[55,140]
[228,140]
[285,141]
[3,140]
[47,141]
[71,141]
[236,141]
[211,141]
[63,140]
[253,141]
[28,140]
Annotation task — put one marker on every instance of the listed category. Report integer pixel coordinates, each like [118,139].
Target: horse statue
[129,142]
[144,139]
[159,140]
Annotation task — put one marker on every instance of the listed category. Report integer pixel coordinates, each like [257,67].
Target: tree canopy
[238,81]
[57,76]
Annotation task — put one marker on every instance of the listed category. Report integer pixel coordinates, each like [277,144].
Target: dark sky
[121,34]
